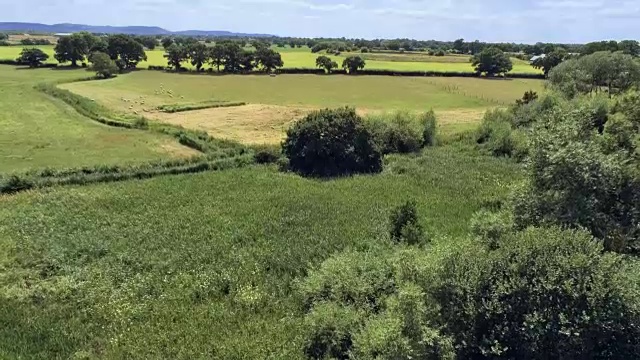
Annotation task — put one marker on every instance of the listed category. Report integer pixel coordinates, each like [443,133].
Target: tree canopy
[492,61]
[33,57]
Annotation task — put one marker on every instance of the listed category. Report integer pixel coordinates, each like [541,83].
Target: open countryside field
[274,102]
[148,269]
[303,58]
[39,131]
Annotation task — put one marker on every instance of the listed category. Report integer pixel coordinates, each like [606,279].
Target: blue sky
[486,20]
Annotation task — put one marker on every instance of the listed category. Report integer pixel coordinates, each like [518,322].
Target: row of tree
[125,50]
[226,56]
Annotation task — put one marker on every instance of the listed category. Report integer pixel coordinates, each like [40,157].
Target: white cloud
[568,4]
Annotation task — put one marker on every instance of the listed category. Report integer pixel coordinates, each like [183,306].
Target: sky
[528,21]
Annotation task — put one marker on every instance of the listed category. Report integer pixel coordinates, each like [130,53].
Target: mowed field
[274,102]
[39,131]
[304,58]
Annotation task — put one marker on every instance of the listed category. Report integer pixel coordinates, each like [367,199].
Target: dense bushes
[332,143]
[405,226]
[542,293]
[403,131]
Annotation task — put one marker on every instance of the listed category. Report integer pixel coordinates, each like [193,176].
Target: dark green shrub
[397,132]
[266,154]
[440,53]
[528,97]
[141,123]
[330,143]
[14,184]
[329,330]
[404,224]
[543,294]
[496,133]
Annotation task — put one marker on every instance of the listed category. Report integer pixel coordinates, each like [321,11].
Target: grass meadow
[205,266]
[276,102]
[39,131]
[303,58]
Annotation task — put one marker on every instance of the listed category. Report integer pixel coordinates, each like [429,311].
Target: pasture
[39,131]
[274,102]
[303,58]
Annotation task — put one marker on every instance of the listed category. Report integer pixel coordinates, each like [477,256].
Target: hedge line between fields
[216,155]
[313,71]
[175,108]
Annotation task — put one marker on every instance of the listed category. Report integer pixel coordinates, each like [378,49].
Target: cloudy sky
[486,20]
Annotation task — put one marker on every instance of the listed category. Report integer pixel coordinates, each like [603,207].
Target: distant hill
[134,30]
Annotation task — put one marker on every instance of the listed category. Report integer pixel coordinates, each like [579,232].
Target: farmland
[275,102]
[249,214]
[303,58]
[49,133]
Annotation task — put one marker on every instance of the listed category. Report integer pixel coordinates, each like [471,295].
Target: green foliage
[491,227]
[212,104]
[175,55]
[528,97]
[353,64]
[267,154]
[103,65]
[492,61]
[33,57]
[125,51]
[198,54]
[614,72]
[497,135]
[429,128]
[74,48]
[330,143]
[544,293]
[405,226]
[396,132]
[578,177]
[166,42]
[325,62]
[268,59]
[550,60]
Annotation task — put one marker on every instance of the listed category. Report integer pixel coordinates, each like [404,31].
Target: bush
[404,224]
[14,184]
[330,143]
[495,132]
[491,227]
[440,53]
[396,132]
[266,154]
[543,294]
[429,128]
[103,66]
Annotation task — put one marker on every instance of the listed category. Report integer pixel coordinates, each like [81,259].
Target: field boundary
[175,108]
[217,154]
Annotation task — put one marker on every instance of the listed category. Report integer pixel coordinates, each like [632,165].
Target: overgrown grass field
[204,266]
[304,58]
[39,131]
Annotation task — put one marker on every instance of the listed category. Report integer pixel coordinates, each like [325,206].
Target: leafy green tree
[458,45]
[331,143]
[405,226]
[541,294]
[247,61]
[4,36]
[217,55]
[492,61]
[199,55]
[268,59]
[353,64]
[148,42]
[175,55]
[33,57]
[550,60]
[125,51]
[629,47]
[103,65]
[166,42]
[233,55]
[325,62]
[73,48]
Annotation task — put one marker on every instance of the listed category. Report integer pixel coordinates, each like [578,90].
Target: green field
[277,101]
[39,131]
[204,266]
[303,58]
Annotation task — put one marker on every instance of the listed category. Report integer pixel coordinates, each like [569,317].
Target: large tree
[73,48]
[198,54]
[166,42]
[216,55]
[103,65]
[550,60]
[353,64]
[268,59]
[325,62]
[125,51]
[175,55]
[32,57]
[492,61]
